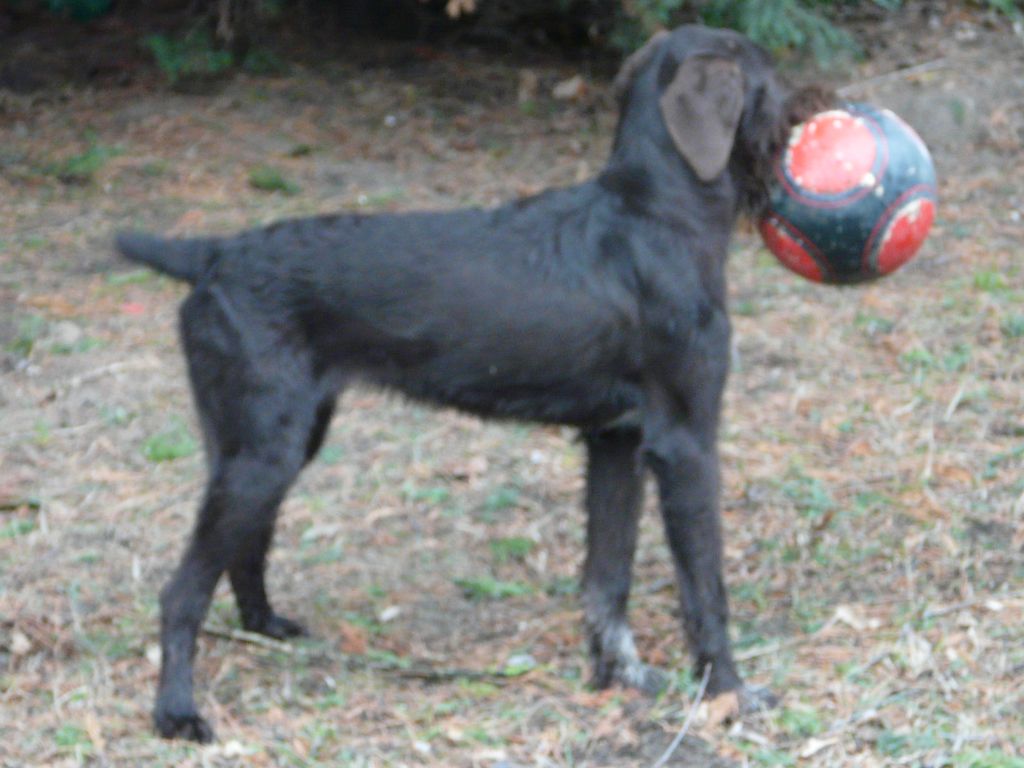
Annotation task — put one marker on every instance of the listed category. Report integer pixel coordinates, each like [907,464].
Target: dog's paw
[631,673]
[277,627]
[189,726]
[649,680]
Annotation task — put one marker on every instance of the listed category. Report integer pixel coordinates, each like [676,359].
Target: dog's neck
[652,181]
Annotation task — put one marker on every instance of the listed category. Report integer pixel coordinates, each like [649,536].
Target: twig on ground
[11,437]
[142,363]
[686,723]
[931,613]
[397,668]
[770,648]
[438,674]
[252,638]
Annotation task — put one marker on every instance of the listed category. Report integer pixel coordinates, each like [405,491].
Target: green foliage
[263,62]
[776,24]
[80,10]
[189,56]
[641,18]
[782,25]
[1012,8]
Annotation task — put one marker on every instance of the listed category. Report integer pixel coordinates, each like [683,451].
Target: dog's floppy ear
[701,108]
[635,62]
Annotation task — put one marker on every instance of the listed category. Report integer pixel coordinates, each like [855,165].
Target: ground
[872,446]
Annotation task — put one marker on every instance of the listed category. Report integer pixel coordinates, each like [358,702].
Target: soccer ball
[853,196]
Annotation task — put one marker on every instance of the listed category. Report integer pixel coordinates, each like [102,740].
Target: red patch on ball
[853,197]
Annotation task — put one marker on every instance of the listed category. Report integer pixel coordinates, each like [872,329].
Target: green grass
[810,496]
[132,277]
[501,499]
[990,281]
[801,722]
[30,329]
[1013,327]
[173,442]
[487,588]
[992,759]
[432,496]
[70,736]
[269,179]
[16,528]
[82,168]
[514,548]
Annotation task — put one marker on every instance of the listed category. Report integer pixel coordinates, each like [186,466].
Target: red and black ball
[853,197]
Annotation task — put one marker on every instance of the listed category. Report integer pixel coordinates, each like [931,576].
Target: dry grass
[873,454]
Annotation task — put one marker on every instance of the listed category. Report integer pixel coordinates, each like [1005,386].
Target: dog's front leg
[680,445]
[686,467]
[614,499]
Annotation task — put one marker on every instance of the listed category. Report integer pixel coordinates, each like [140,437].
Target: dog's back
[516,311]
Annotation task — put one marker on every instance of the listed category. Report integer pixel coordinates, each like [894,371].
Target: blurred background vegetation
[205,37]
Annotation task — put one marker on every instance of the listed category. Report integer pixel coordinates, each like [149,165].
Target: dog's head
[712,97]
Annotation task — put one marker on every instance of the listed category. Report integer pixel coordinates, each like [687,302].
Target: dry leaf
[55,305]
[528,83]
[722,709]
[92,727]
[20,644]
[573,88]
[353,639]
[814,746]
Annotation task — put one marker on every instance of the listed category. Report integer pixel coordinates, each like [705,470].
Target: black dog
[602,306]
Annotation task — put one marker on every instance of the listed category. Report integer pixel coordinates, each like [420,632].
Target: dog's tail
[186,259]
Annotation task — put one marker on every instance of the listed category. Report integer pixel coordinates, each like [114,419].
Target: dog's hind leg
[614,500]
[247,567]
[260,418]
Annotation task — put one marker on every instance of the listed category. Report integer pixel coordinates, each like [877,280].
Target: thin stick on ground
[686,723]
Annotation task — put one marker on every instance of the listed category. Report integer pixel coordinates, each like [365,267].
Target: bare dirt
[873,448]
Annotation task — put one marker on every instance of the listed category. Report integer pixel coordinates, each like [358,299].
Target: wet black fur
[601,306]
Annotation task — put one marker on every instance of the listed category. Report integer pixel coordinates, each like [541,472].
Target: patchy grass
[81,168]
[173,442]
[873,462]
